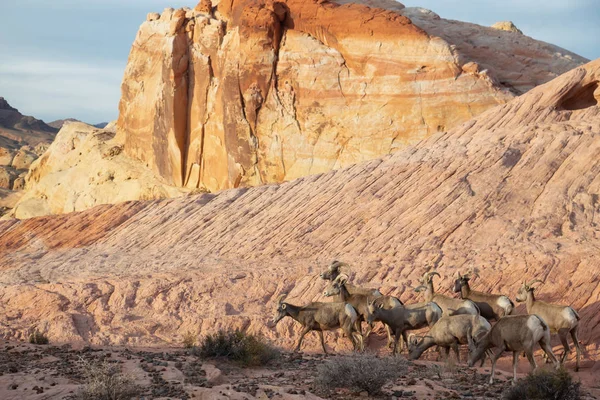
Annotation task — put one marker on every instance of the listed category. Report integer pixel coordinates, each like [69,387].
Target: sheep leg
[548,352]
[495,358]
[562,334]
[389,335]
[304,332]
[456,351]
[515,362]
[531,359]
[489,354]
[577,347]
[347,328]
[370,328]
[360,345]
[446,353]
[322,341]
[397,335]
[404,342]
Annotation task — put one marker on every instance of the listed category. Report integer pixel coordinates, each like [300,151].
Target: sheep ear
[380,306]
[470,340]
[283,306]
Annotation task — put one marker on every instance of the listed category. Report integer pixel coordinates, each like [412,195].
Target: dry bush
[38,337]
[105,381]
[545,385]
[361,372]
[237,346]
[189,340]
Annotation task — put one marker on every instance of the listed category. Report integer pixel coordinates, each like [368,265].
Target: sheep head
[525,289]
[373,309]
[336,286]
[281,309]
[333,270]
[428,277]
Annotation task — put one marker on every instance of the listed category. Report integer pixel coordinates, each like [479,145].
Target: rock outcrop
[514,192]
[22,140]
[248,92]
[508,26]
[85,167]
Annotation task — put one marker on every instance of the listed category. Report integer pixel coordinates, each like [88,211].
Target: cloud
[49,89]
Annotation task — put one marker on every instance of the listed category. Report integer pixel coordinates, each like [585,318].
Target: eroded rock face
[513,192]
[247,92]
[84,167]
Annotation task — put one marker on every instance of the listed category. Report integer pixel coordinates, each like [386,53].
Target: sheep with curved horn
[491,306]
[321,317]
[563,320]
[449,305]
[334,271]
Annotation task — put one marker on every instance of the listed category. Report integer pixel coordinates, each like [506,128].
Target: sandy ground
[56,372]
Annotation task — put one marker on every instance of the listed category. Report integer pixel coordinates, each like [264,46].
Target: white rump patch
[351,312]
[470,307]
[485,324]
[505,303]
[536,327]
[569,315]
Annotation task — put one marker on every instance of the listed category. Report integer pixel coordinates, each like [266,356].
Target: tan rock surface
[514,192]
[507,26]
[514,62]
[85,167]
[264,92]
[23,159]
[7,177]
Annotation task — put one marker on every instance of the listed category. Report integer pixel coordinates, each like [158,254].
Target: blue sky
[65,58]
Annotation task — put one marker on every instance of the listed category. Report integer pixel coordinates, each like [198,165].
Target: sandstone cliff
[85,167]
[249,91]
[514,192]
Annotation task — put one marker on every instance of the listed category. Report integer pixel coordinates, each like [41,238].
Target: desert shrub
[361,372]
[189,340]
[38,337]
[105,381]
[545,385]
[238,346]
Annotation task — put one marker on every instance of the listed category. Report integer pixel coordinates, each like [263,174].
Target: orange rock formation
[253,91]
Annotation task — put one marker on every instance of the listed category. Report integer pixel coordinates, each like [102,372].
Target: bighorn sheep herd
[451,321]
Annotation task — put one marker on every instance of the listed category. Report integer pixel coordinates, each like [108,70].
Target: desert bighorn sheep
[449,332]
[402,318]
[321,317]
[563,320]
[491,306]
[331,274]
[358,301]
[514,333]
[449,305]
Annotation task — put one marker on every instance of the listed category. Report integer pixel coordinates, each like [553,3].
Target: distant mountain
[60,122]
[22,140]
[17,130]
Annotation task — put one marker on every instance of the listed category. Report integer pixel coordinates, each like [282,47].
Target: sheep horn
[342,277]
[281,297]
[336,265]
[434,273]
[534,281]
